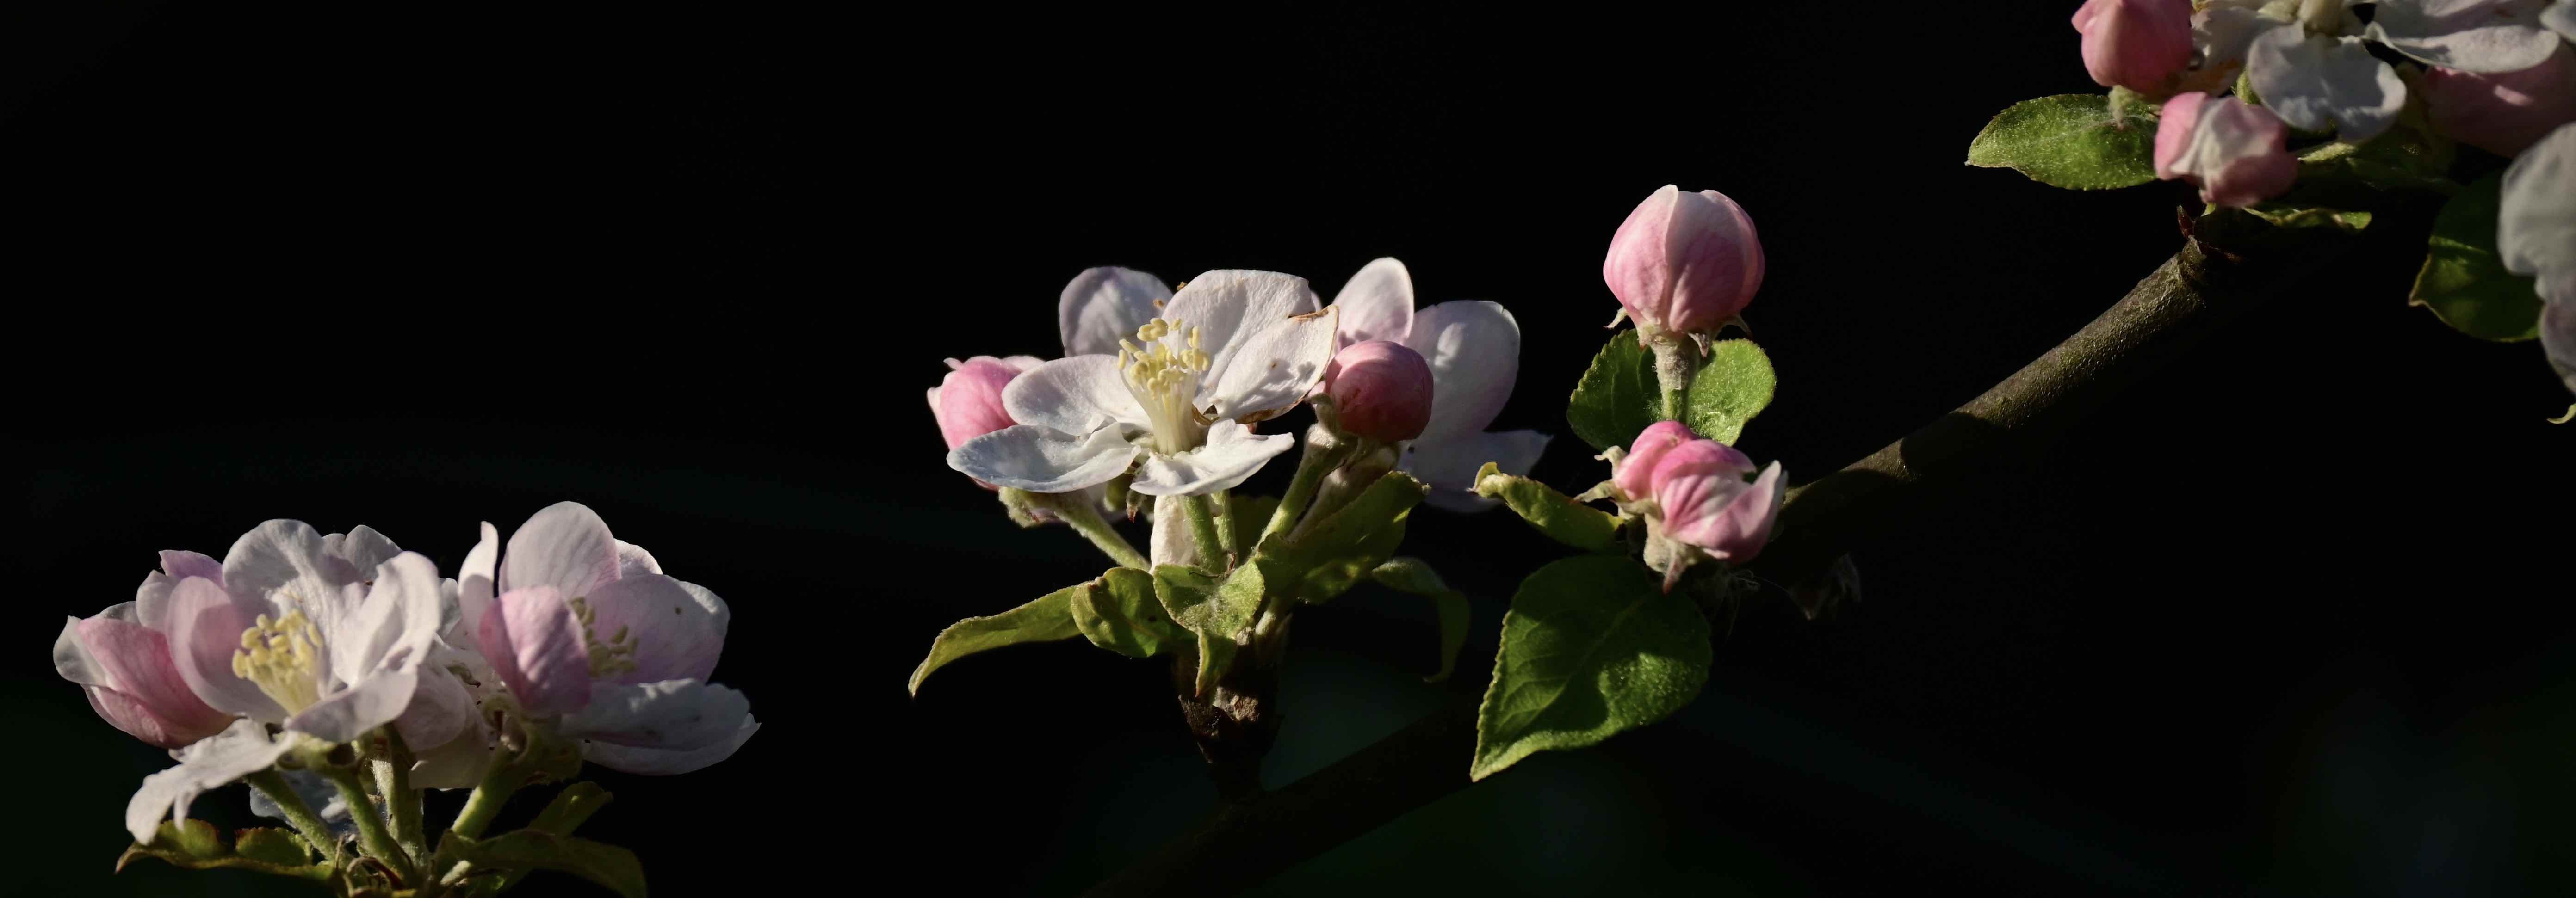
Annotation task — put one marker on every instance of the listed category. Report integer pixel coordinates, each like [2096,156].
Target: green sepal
[1415,576]
[2070,141]
[1325,560]
[1553,513]
[610,866]
[1216,653]
[571,808]
[2463,280]
[1592,647]
[1124,616]
[1045,619]
[197,845]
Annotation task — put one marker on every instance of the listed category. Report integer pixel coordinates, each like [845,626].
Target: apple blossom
[2142,45]
[1684,262]
[243,748]
[1473,348]
[2536,228]
[967,403]
[2233,150]
[1707,506]
[585,630]
[2482,36]
[1231,348]
[1633,471]
[2503,113]
[121,659]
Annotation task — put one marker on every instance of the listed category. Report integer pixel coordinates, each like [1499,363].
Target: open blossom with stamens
[587,633]
[1229,349]
[121,659]
[1473,348]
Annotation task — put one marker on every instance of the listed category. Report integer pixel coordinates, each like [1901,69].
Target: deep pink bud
[1381,390]
[968,402]
[1706,503]
[1634,474]
[2503,113]
[1684,261]
[2142,45]
[2234,150]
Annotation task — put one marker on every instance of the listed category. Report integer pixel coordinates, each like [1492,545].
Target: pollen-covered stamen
[610,657]
[283,657]
[1163,374]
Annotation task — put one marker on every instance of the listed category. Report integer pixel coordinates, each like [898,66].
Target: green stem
[371,824]
[402,802]
[1301,490]
[1224,500]
[1676,359]
[1212,552]
[273,784]
[499,783]
[1078,512]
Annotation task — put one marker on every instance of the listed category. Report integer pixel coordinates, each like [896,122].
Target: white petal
[1044,461]
[1474,348]
[1269,371]
[633,561]
[394,627]
[282,564]
[2536,231]
[661,762]
[1450,466]
[206,625]
[1377,304]
[362,547]
[2320,83]
[349,713]
[1233,452]
[671,715]
[2560,17]
[2558,339]
[441,709]
[1171,542]
[565,545]
[2469,35]
[72,658]
[1228,306]
[152,598]
[1073,396]
[474,586]
[240,750]
[1102,306]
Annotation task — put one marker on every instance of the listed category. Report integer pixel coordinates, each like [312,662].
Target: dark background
[2268,624]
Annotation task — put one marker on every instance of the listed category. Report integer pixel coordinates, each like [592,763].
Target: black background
[2270,623]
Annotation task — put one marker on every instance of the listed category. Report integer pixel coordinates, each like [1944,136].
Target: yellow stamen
[283,657]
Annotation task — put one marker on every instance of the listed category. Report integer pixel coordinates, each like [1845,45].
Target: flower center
[283,658]
[1164,378]
[610,657]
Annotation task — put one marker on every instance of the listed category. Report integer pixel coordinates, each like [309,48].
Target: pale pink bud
[1706,502]
[1380,389]
[968,402]
[2233,150]
[2142,45]
[2506,112]
[1634,474]
[1684,262]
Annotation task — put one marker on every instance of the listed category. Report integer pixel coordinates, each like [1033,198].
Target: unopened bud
[1381,390]
[1684,262]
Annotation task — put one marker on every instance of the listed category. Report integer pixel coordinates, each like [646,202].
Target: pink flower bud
[2142,45]
[1634,474]
[2233,150]
[1381,390]
[1706,503]
[968,402]
[2503,113]
[1684,262]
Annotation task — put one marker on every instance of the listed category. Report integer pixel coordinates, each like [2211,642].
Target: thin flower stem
[300,815]
[402,802]
[1311,469]
[1078,513]
[1224,500]
[1676,359]
[372,837]
[485,802]
[1212,551]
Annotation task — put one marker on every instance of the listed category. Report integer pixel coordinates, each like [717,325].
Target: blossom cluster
[298,643]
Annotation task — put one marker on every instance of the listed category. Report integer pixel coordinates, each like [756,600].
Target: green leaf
[2070,141]
[1553,513]
[1591,647]
[1205,604]
[1618,396]
[2289,216]
[531,849]
[198,845]
[2464,281]
[1733,384]
[571,808]
[1415,576]
[1046,619]
[1324,561]
[1124,616]
[1216,653]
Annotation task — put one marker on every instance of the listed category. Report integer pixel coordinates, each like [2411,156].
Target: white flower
[1474,348]
[2536,230]
[240,750]
[2308,65]
[1231,348]
[2484,36]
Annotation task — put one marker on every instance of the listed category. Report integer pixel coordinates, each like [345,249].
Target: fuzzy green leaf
[2069,141]
[530,849]
[1733,384]
[1208,605]
[1618,395]
[198,845]
[2464,281]
[1046,619]
[1124,616]
[1324,561]
[1592,647]
[1553,513]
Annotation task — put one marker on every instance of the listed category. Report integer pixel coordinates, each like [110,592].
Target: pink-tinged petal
[441,709]
[137,662]
[1693,485]
[1381,390]
[2142,45]
[206,629]
[2235,153]
[1044,461]
[1269,370]
[1102,306]
[1377,304]
[138,720]
[1635,471]
[394,626]
[1229,306]
[2503,113]
[72,659]
[1737,530]
[2174,132]
[1684,262]
[534,644]
[1450,466]
[565,546]
[2536,223]
[2252,179]
[349,713]
[475,585]
[669,714]
[633,561]
[240,750]
[1232,454]
[970,400]
[1474,349]
[661,762]
[152,599]
[2468,35]
[1073,396]
[677,629]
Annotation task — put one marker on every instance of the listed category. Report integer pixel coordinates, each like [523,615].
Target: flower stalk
[298,814]
[373,839]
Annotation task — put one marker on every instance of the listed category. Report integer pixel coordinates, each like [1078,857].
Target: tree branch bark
[2228,263]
